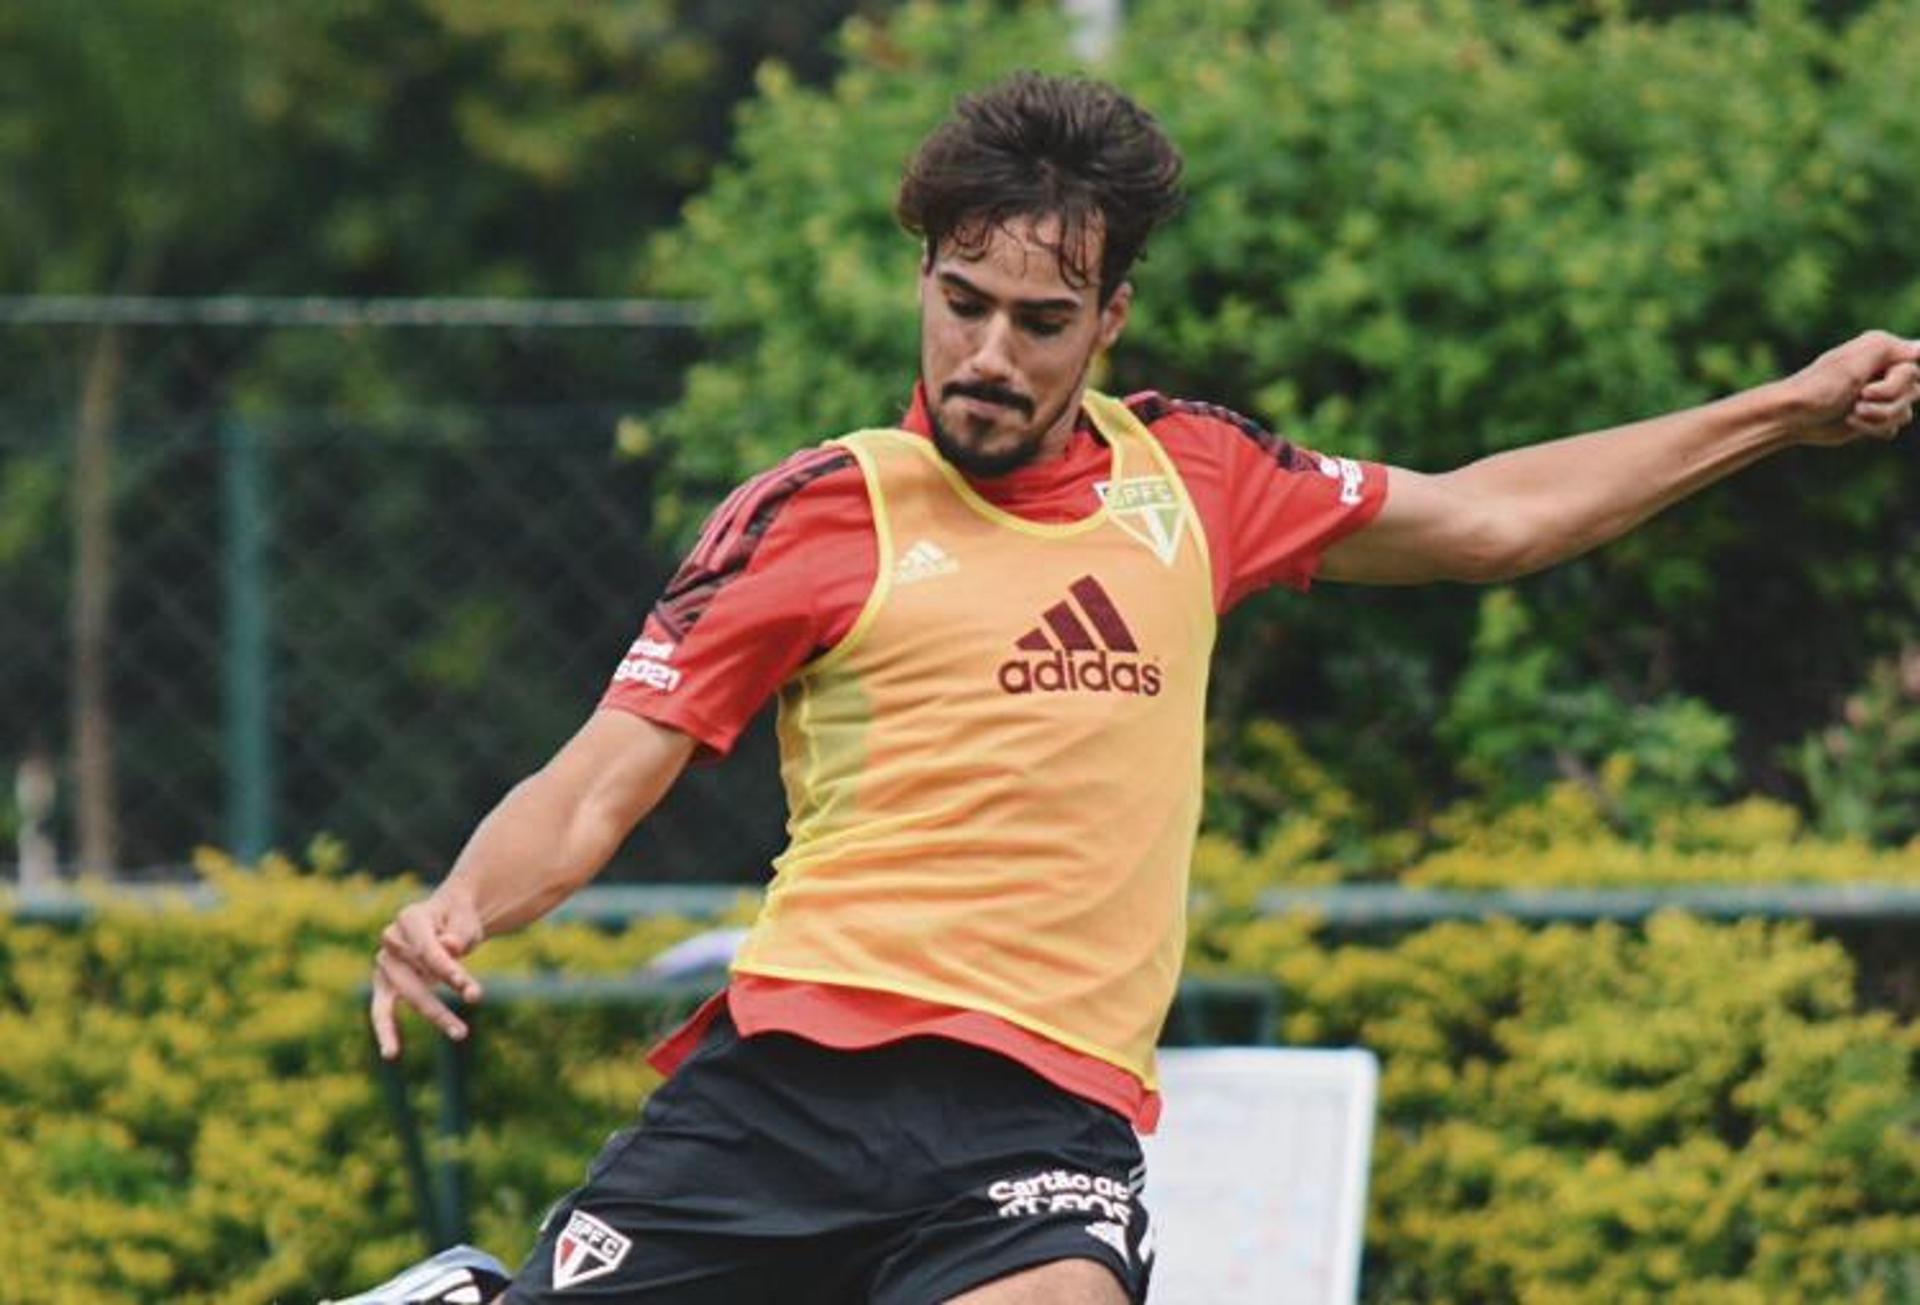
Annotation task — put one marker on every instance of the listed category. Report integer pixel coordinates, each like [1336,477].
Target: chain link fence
[270,577]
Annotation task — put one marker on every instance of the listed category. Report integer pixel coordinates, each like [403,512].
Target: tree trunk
[96,801]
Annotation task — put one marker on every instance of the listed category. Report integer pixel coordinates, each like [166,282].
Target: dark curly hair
[1038,146]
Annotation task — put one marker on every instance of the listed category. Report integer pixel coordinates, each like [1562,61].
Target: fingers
[420,949]
[386,1029]
[396,981]
[1899,412]
[1891,347]
[1885,405]
[1898,383]
[420,937]
[1883,420]
[1868,386]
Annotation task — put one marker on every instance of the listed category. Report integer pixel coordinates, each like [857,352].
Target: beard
[976,460]
[979,462]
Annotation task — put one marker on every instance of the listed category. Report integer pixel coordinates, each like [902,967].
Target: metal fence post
[453,1061]
[245,651]
[434,1223]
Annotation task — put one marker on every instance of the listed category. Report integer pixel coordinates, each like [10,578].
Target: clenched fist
[1869,386]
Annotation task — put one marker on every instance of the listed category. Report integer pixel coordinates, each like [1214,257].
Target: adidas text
[1092,672]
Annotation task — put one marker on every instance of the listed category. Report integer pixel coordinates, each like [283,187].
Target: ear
[1113,315]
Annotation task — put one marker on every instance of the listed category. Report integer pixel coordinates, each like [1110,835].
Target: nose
[993,353]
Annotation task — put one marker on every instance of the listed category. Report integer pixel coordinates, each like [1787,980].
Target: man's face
[1005,343]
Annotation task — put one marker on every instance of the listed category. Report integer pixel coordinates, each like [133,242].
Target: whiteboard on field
[1257,1177]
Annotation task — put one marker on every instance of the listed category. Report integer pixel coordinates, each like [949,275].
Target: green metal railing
[1346,908]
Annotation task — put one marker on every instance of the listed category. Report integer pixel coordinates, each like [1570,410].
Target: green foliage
[1863,771]
[370,146]
[1421,230]
[807,280]
[1518,718]
[1260,774]
[188,1110]
[1625,810]
[350,148]
[1566,840]
[1569,836]
[1697,1111]
[123,138]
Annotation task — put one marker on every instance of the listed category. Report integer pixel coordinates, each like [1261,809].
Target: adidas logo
[1073,654]
[923,561]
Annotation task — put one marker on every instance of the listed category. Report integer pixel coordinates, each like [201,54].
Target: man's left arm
[1516,512]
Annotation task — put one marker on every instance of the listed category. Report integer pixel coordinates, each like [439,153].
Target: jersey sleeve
[1271,507]
[779,574]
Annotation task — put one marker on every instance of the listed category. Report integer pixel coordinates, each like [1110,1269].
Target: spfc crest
[1148,508]
[587,1249]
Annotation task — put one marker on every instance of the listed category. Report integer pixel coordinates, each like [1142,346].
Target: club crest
[587,1249]
[1149,509]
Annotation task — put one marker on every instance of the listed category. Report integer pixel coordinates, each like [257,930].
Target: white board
[1257,1177]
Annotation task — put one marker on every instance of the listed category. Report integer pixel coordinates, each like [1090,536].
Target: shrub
[1863,771]
[1421,230]
[188,1109]
[1692,1113]
[1569,836]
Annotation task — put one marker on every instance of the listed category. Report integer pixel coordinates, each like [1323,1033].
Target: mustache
[988,394]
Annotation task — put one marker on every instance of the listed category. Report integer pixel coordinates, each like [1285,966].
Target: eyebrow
[1062,305]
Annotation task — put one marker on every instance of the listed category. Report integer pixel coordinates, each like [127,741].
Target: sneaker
[459,1275]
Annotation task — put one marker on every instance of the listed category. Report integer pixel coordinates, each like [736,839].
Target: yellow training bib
[994,779]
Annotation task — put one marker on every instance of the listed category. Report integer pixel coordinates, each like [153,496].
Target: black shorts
[772,1169]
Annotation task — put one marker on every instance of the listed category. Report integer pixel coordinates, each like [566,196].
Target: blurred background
[365,365]
[277,568]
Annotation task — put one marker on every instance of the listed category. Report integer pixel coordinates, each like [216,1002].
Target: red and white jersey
[786,567]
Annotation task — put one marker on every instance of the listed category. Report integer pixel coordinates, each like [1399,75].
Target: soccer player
[988,631]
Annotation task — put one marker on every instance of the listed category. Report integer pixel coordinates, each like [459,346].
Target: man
[989,632]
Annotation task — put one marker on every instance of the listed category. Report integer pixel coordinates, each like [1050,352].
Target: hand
[422,947]
[1868,386]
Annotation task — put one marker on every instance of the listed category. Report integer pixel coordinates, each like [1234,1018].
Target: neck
[1060,430]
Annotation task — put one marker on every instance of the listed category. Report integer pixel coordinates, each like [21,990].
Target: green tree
[1421,231]
[123,150]
[450,147]
[806,279]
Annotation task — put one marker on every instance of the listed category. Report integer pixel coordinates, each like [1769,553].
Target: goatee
[979,463]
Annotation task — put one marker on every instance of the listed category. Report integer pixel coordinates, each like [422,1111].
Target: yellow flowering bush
[188,1110]
[1689,1111]
[1693,1112]
[1564,840]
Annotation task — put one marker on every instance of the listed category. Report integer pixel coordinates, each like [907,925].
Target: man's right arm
[780,572]
[550,835]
